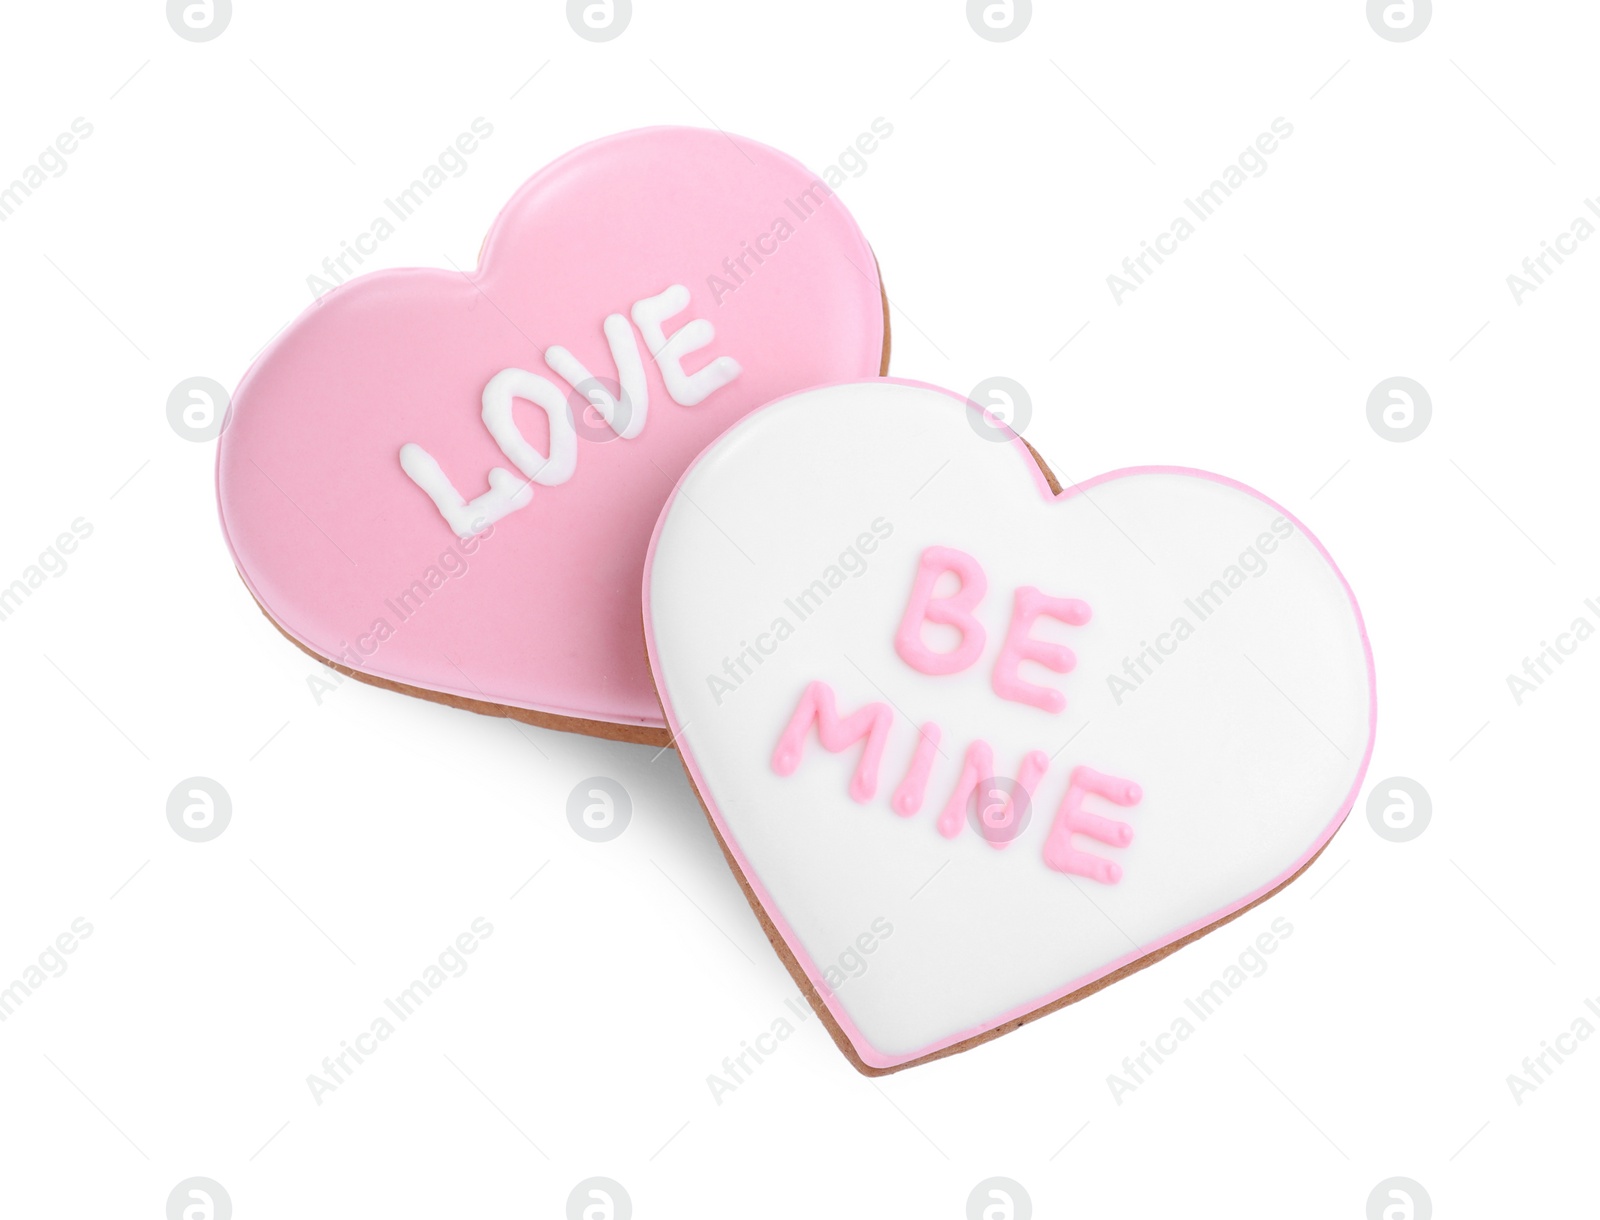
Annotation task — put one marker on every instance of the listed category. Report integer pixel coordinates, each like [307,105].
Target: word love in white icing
[872,723]
[624,415]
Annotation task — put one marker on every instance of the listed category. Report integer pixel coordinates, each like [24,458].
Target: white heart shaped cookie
[973,742]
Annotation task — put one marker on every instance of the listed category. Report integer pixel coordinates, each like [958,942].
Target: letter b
[952,611]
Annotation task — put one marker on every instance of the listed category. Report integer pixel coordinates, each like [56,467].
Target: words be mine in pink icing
[1000,820]
[447,480]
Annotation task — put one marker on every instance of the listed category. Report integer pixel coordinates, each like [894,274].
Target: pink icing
[1072,818]
[1019,646]
[907,798]
[1034,764]
[871,721]
[978,765]
[327,529]
[952,611]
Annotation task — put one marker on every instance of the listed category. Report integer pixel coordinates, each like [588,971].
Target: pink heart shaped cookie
[444,482]
[978,745]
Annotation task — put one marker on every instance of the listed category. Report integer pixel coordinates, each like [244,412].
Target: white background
[369,830]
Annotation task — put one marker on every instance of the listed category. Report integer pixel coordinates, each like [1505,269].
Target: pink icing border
[867,1052]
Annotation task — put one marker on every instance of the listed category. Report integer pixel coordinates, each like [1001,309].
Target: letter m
[837,733]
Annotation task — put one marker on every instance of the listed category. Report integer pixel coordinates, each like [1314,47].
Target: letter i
[908,796]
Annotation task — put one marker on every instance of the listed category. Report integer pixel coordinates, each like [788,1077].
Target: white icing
[1246,740]
[506,493]
[627,418]
[498,396]
[687,389]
